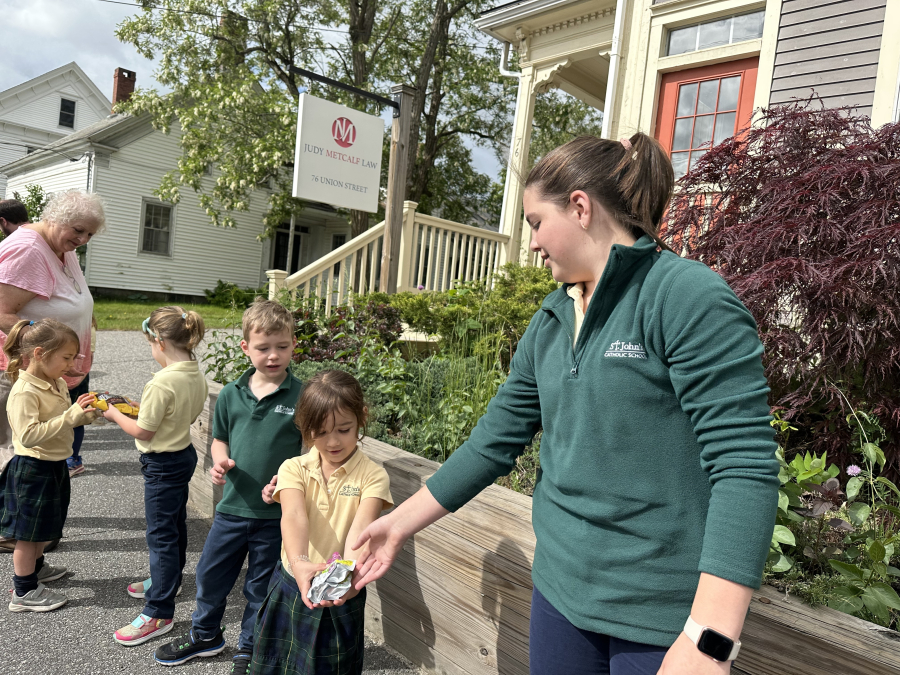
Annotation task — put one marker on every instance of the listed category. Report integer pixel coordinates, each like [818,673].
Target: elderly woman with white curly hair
[40,278]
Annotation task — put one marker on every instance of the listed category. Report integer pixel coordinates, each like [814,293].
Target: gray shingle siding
[830,47]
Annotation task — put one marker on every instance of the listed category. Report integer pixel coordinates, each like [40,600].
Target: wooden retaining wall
[457,600]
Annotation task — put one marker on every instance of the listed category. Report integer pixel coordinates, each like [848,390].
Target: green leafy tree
[35,199]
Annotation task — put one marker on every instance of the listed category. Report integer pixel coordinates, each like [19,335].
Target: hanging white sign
[338,155]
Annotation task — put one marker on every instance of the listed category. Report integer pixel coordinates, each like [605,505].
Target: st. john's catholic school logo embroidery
[283,409]
[625,350]
[349,491]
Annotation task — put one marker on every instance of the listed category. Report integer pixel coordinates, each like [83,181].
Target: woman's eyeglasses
[72,278]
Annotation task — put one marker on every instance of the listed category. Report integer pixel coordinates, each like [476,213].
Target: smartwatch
[717,646]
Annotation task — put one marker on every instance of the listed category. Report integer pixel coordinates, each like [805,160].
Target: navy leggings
[81,388]
[556,647]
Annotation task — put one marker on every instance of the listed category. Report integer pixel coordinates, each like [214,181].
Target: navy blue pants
[166,479]
[557,647]
[231,540]
[82,388]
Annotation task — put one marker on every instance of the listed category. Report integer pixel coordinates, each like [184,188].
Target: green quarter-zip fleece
[657,460]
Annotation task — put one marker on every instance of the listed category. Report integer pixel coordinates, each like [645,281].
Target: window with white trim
[716,33]
[156,229]
[67,113]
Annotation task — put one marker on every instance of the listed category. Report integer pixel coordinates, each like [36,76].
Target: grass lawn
[128,315]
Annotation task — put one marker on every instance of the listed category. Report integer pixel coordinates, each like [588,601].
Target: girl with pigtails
[170,403]
[34,486]
[658,483]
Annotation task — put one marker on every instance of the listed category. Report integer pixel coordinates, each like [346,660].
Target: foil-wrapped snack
[333,582]
[125,406]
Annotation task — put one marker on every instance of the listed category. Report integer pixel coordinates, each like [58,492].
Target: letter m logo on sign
[344,132]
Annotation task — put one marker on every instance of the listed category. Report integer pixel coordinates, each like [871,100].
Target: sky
[40,35]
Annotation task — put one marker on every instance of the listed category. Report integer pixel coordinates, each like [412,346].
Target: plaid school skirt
[291,639]
[34,499]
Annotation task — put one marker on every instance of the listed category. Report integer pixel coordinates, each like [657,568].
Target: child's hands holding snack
[304,571]
[85,400]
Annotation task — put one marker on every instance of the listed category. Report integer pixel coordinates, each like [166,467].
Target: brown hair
[634,184]
[267,316]
[172,324]
[48,334]
[326,393]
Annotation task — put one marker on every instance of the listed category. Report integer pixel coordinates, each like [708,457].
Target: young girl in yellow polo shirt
[34,487]
[170,403]
[327,497]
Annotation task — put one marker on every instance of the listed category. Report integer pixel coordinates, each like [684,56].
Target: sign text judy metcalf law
[338,155]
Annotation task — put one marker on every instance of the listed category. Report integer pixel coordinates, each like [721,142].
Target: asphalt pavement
[104,550]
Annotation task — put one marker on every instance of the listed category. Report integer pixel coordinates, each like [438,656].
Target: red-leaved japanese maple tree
[801,216]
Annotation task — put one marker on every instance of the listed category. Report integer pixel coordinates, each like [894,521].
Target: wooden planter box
[458,599]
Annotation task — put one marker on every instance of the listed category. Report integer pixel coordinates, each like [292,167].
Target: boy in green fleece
[645,362]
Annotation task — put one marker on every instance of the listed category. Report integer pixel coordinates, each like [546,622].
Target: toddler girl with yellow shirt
[34,486]
[328,497]
[170,403]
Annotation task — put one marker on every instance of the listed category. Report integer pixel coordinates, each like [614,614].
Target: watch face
[715,644]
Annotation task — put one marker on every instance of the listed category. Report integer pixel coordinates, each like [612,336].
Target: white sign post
[338,155]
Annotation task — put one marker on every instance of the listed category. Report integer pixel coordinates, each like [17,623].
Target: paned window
[701,107]
[716,33]
[705,115]
[67,113]
[156,234]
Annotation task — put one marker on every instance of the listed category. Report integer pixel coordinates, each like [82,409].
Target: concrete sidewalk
[104,550]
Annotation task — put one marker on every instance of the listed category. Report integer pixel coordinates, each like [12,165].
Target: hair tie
[184,316]
[625,142]
[31,323]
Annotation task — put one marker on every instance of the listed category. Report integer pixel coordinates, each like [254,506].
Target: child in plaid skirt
[328,497]
[34,486]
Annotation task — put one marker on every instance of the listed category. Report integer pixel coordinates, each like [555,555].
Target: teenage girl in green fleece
[657,494]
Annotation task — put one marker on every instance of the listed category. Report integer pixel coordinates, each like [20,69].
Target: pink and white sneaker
[142,629]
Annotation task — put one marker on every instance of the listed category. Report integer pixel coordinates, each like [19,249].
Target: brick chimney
[123,85]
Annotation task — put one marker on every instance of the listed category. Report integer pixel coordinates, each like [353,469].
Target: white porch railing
[434,253]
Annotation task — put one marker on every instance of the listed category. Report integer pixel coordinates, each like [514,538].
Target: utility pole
[396,186]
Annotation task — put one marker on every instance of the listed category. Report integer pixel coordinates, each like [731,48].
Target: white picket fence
[434,253]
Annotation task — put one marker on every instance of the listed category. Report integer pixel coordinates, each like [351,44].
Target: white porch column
[511,214]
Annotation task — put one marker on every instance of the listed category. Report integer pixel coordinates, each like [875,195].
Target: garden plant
[801,216]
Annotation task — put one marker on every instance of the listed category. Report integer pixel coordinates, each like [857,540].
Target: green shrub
[472,319]
[227,294]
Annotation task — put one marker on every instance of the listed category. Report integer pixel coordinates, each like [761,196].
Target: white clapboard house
[56,131]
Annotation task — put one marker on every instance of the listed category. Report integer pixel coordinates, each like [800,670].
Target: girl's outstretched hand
[304,573]
[379,544]
[85,400]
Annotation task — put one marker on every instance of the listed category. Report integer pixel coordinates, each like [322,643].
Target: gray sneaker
[41,599]
[51,573]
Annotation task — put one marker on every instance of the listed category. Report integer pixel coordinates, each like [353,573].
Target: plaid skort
[291,639]
[34,499]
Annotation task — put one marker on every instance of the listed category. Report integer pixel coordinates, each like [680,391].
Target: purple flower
[421,287]
[853,470]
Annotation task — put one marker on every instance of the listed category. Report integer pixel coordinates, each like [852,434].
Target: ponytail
[632,179]
[48,334]
[184,329]
[13,350]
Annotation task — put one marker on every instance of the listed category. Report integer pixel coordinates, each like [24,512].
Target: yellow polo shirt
[171,402]
[331,505]
[43,418]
